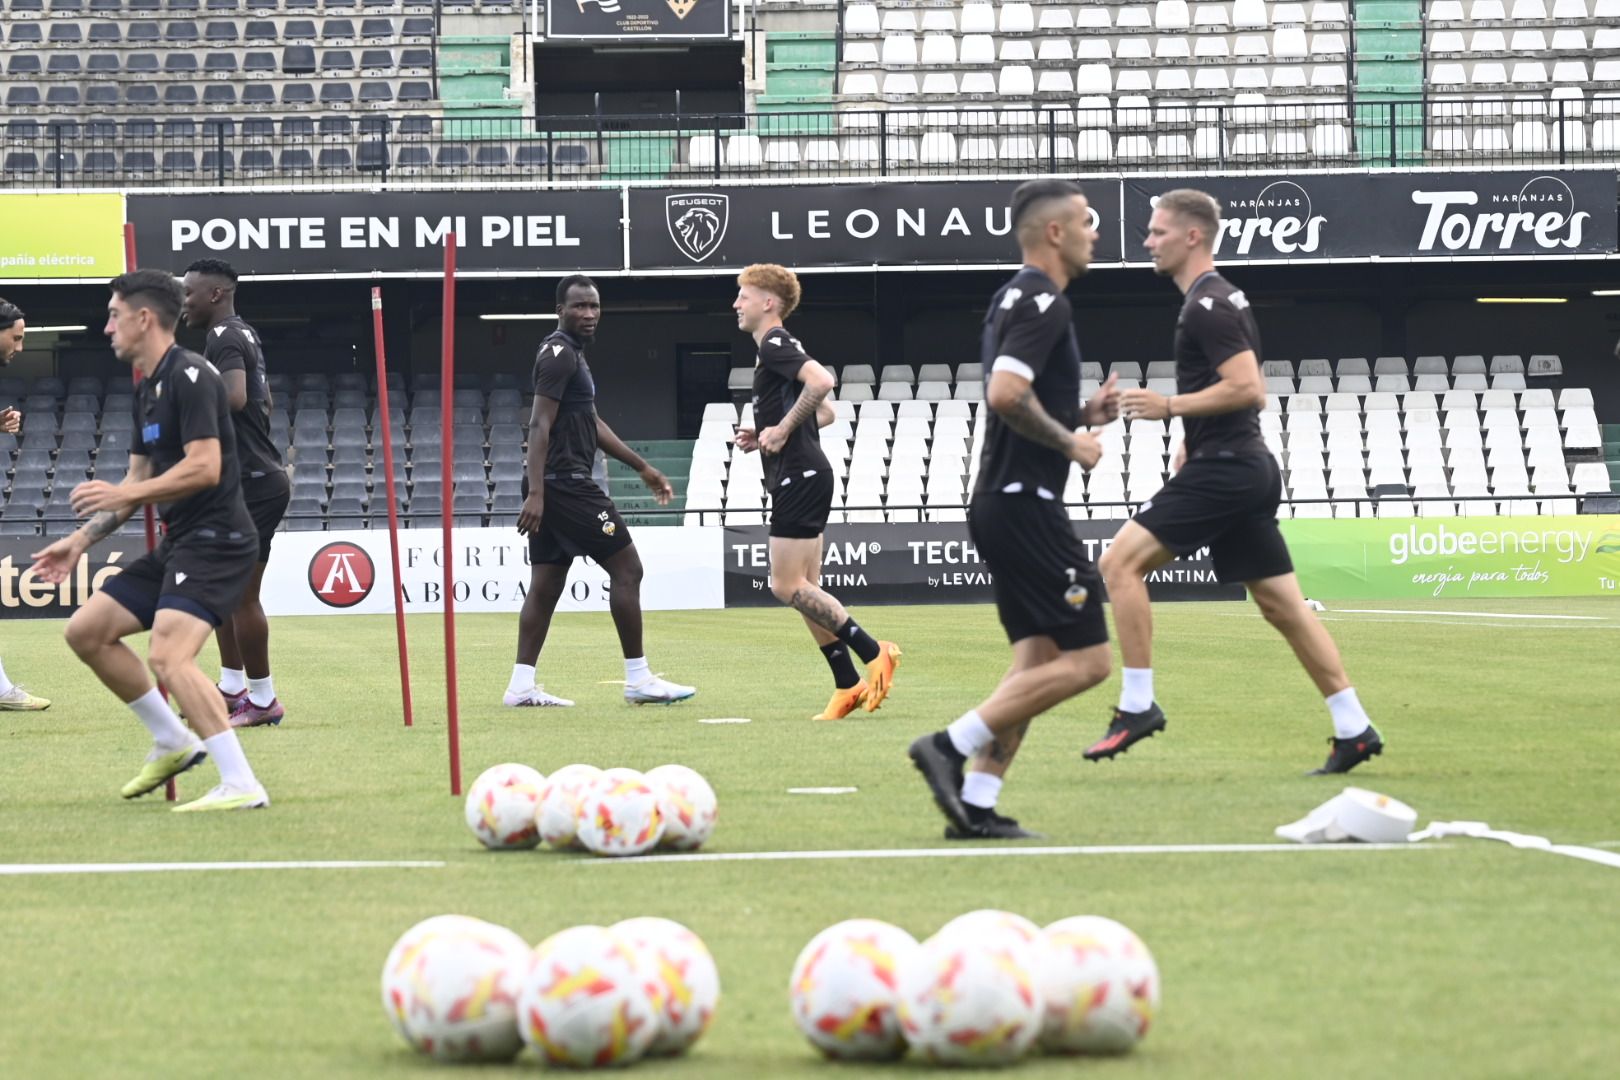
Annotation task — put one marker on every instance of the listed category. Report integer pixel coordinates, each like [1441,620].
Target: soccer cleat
[246,714]
[843,702]
[941,765]
[19,700]
[225,797]
[1126,731]
[1348,753]
[989,825]
[655,691]
[880,674]
[534,697]
[163,765]
[232,700]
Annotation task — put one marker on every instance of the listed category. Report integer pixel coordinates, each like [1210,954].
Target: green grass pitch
[1469,960]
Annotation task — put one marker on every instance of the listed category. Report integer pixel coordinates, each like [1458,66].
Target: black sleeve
[198,402]
[553,368]
[226,353]
[1030,332]
[782,355]
[1220,330]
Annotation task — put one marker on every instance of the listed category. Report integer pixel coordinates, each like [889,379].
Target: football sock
[981,789]
[232,680]
[226,751]
[1136,695]
[152,709]
[5,683]
[863,643]
[262,692]
[522,678]
[1349,718]
[843,668]
[970,733]
[636,671]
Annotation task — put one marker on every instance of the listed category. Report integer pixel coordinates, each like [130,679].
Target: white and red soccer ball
[844,990]
[450,987]
[688,806]
[558,816]
[684,979]
[1100,984]
[970,1000]
[619,814]
[502,805]
[586,1002]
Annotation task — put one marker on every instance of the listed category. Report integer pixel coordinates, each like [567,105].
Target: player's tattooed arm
[819,608]
[1027,417]
[104,525]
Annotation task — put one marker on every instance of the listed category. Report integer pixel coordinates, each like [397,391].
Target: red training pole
[393,506]
[447,396]
[146,511]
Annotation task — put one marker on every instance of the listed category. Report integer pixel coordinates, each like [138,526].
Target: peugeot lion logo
[697,223]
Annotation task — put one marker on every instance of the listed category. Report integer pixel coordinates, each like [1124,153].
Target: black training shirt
[234,346]
[1216,324]
[1029,330]
[561,374]
[776,391]
[183,401]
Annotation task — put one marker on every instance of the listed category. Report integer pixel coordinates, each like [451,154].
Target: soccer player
[1223,494]
[1048,594]
[13,698]
[566,515]
[235,350]
[790,390]
[183,462]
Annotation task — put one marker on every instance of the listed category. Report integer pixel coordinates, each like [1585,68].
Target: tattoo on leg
[819,608]
[1002,748]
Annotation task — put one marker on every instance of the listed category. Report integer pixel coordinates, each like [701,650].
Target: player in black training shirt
[1224,492]
[12,327]
[566,515]
[183,462]
[1047,592]
[235,350]
[790,391]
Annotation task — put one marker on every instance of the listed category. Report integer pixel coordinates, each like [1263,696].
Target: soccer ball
[990,923]
[584,1000]
[501,807]
[687,985]
[450,987]
[1100,984]
[843,989]
[966,1000]
[558,815]
[618,814]
[687,804]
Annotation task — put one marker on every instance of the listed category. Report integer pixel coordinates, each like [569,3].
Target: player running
[1223,494]
[1048,594]
[13,698]
[790,389]
[565,515]
[183,461]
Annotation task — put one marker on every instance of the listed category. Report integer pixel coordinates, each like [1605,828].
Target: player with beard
[13,698]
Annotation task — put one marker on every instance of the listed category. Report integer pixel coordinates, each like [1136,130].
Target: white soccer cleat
[534,697]
[225,797]
[655,691]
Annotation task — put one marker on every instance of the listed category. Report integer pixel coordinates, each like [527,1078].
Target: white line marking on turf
[822,790]
[1010,852]
[726,720]
[1469,614]
[28,869]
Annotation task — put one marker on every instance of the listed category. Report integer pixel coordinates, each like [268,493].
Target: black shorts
[1045,586]
[1228,504]
[266,498]
[800,503]
[578,519]
[203,576]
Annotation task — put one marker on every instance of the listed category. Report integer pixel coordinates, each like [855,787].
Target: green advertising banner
[1456,557]
[61,235]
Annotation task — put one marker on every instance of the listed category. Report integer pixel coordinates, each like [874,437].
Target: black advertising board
[1394,215]
[622,19]
[356,232]
[929,564]
[23,596]
[965,222]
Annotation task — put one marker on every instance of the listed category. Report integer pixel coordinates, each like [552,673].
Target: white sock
[636,671]
[522,678]
[5,683]
[232,680]
[152,709]
[1349,718]
[1136,693]
[970,734]
[261,692]
[981,789]
[234,770]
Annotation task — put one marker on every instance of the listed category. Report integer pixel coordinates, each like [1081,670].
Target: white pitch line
[30,869]
[1469,614]
[1011,852]
[822,790]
